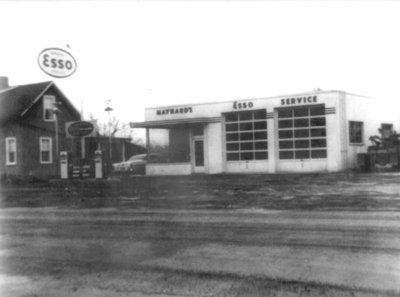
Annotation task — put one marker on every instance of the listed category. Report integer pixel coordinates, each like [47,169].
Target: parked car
[134,165]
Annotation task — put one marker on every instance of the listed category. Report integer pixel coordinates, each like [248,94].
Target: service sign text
[299,100]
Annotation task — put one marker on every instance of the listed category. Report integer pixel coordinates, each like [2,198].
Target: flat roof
[258,98]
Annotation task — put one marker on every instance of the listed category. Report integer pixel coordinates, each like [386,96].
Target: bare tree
[117,128]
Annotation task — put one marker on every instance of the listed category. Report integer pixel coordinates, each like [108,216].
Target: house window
[48,105]
[46,155]
[356,132]
[11,151]
[246,135]
[302,133]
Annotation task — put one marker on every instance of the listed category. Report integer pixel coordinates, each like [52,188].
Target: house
[32,129]
[318,131]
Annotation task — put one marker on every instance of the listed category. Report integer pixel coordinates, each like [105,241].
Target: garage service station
[319,131]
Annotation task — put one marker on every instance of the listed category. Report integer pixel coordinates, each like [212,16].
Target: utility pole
[108,109]
[56,111]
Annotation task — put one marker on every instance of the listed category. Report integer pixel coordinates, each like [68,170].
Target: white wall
[259,166]
[309,165]
[214,145]
[372,112]
[169,169]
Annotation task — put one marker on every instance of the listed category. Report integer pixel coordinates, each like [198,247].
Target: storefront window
[246,135]
[302,133]
[170,145]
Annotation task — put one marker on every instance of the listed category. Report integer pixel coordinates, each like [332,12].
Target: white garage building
[320,131]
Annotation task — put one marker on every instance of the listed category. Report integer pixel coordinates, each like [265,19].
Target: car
[134,165]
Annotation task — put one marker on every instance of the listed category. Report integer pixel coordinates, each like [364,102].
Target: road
[111,252]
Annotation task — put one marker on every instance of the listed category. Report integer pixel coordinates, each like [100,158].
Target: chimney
[4,82]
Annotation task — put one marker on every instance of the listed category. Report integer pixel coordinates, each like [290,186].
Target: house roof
[16,101]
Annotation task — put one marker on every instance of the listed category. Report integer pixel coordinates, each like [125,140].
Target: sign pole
[83,148]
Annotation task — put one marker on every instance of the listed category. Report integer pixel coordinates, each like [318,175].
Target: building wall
[168,169]
[28,130]
[214,145]
[372,112]
[11,130]
[340,108]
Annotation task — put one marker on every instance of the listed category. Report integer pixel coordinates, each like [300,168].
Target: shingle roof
[14,101]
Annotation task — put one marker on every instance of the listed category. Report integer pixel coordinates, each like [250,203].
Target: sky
[142,54]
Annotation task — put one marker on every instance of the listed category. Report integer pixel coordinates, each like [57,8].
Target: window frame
[351,140]
[8,162]
[250,137]
[53,99]
[300,134]
[50,150]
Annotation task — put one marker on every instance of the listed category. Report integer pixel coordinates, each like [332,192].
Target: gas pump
[64,165]
[98,164]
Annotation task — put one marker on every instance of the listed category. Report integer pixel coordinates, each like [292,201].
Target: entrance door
[198,160]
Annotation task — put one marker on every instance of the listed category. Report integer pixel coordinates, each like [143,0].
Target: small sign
[57,62]
[80,129]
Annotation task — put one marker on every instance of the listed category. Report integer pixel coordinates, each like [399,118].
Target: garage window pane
[261,155]
[232,137]
[260,135]
[318,142]
[245,116]
[247,156]
[303,133]
[232,146]
[232,156]
[246,136]
[317,110]
[246,126]
[260,125]
[286,155]
[286,134]
[285,124]
[232,127]
[232,117]
[301,123]
[302,154]
[246,146]
[315,154]
[285,113]
[260,114]
[318,132]
[302,144]
[301,112]
[263,145]
[286,144]
[318,122]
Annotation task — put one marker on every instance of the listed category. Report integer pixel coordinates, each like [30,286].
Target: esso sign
[57,62]
[79,128]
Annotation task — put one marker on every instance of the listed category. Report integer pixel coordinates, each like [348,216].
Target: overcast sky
[143,54]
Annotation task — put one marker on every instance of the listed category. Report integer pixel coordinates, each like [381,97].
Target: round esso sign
[57,62]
